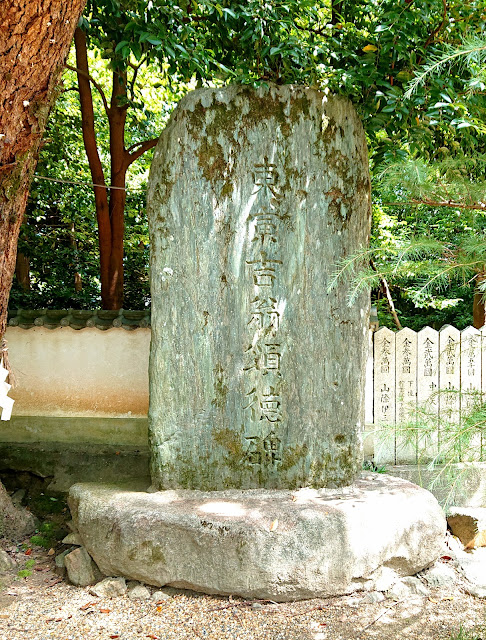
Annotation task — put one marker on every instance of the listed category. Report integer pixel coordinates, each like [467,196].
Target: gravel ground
[41,606]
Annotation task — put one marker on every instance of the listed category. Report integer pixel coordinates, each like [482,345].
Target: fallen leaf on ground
[28,552]
[51,552]
[115,636]
[149,635]
[87,605]
[274,525]
[105,610]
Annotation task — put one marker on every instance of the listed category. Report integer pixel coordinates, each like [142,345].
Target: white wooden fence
[432,376]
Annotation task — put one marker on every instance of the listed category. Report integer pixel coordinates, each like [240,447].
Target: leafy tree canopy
[426,145]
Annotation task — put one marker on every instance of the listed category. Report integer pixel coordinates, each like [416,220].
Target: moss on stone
[294,456]
[230,441]
[211,155]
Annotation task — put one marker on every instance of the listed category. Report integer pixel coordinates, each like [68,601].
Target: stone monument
[256,369]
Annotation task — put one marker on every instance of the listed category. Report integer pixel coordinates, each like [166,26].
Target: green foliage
[40,541]
[24,573]
[247,42]
[477,633]
[426,139]
[49,533]
[446,449]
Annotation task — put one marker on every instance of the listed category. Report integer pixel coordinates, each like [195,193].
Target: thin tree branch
[317,32]
[477,206]
[431,38]
[417,81]
[135,68]
[389,299]
[95,84]
[144,146]
[70,89]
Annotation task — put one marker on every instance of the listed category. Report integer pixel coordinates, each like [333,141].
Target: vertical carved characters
[263,352]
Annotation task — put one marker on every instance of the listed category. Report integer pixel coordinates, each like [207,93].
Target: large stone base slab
[281,545]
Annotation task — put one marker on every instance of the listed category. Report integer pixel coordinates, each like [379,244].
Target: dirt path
[40,606]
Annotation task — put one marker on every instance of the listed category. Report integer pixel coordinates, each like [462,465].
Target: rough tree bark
[109,203]
[35,36]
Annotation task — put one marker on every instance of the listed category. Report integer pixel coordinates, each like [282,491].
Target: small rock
[73,538]
[132,583]
[384,579]
[60,569]
[6,562]
[257,605]
[416,586]
[469,525]
[473,566]
[109,588]
[139,593]
[18,497]
[440,575]
[477,592]
[59,559]
[407,587]
[80,567]
[158,596]
[372,597]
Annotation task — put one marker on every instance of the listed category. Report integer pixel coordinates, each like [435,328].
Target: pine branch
[450,55]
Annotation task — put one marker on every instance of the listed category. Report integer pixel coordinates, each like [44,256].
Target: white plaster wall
[85,373]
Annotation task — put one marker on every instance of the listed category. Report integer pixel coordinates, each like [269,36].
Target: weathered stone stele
[256,371]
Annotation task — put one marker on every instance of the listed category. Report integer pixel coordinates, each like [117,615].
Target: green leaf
[120,45]
[155,41]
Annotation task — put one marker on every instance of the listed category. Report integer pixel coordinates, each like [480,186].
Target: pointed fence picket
[432,377]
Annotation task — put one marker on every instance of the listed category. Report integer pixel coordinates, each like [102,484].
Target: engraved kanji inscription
[264,450]
[264,270]
[264,357]
[450,355]
[264,313]
[428,357]
[385,356]
[407,355]
[264,177]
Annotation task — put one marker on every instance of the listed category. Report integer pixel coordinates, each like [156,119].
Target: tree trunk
[35,36]
[110,204]
[22,271]
[120,161]
[109,200]
[34,41]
